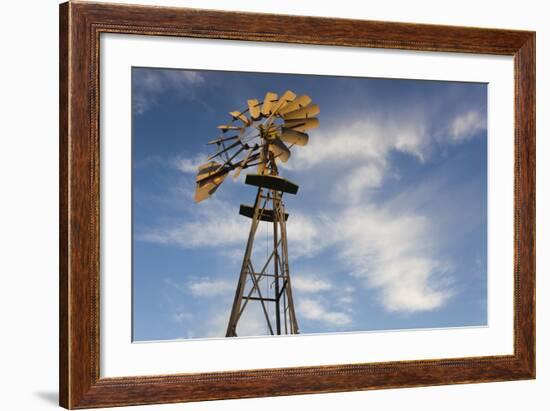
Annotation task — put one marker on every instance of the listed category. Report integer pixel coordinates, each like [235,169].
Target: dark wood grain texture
[80,27]
[63,205]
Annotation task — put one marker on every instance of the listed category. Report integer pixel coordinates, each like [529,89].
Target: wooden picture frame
[80,27]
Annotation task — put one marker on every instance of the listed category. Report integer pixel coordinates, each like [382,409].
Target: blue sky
[388,230]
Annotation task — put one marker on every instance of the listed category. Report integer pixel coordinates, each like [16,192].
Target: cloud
[215,225]
[359,152]
[390,250]
[360,180]
[394,253]
[313,309]
[310,284]
[203,287]
[386,249]
[467,125]
[148,85]
[304,237]
[345,297]
[189,165]
[369,140]
[210,288]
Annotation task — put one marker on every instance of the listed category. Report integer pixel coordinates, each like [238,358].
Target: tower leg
[288,289]
[286,292]
[276,263]
[235,310]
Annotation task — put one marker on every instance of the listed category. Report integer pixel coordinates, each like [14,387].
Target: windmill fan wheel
[258,136]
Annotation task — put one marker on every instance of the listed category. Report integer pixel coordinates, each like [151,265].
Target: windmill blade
[225,127]
[222,139]
[286,98]
[305,112]
[207,170]
[228,161]
[267,105]
[229,147]
[205,188]
[294,137]
[243,163]
[297,103]
[279,150]
[301,124]
[240,116]
[254,109]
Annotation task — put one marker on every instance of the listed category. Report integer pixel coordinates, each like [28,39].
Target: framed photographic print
[259,205]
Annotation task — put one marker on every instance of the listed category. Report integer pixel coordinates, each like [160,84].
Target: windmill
[260,136]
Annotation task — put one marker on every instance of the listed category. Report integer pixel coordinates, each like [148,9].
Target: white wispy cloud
[387,250]
[360,180]
[314,309]
[360,152]
[310,283]
[369,140]
[149,85]
[215,225]
[205,287]
[345,297]
[304,236]
[189,165]
[467,125]
[394,253]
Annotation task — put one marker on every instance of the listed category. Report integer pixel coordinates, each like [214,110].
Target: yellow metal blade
[206,187]
[254,109]
[286,98]
[294,137]
[301,124]
[305,112]
[240,116]
[279,150]
[207,169]
[297,103]
[225,127]
[269,100]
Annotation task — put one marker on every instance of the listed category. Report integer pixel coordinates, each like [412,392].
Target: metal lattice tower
[268,206]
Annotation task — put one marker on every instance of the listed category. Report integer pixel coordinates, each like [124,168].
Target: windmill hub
[261,135]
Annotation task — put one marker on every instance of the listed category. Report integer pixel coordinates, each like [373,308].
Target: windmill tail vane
[260,136]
